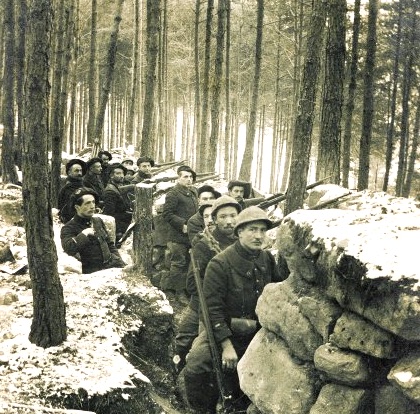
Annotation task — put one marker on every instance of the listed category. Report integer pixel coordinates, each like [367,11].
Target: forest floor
[95,360]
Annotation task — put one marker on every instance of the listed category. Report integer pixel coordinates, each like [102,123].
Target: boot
[202,393]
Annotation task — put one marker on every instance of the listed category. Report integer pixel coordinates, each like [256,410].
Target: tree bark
[351,95]
[92,76]
[393,109]
[368,98]
[49,323]
[217,86]
[329,144]
[245,171]
[8,171]
[107,82]
[152,40]
[305,115]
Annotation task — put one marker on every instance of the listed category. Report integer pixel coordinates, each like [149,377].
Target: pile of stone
[342,333]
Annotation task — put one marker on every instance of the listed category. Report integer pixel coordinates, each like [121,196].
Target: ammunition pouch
[243,326]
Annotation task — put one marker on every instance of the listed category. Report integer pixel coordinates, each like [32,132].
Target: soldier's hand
[229,356]
[88,232]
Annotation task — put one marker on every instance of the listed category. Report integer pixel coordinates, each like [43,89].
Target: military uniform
[95,252]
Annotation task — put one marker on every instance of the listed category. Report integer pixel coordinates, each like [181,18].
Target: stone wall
[342,333]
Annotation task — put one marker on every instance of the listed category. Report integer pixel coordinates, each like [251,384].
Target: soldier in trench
[233,281]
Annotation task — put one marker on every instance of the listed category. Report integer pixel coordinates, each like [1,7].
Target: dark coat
[115,205]
[180,204]
[94,182]
[195,225]
[66,210]
[140,176]
[95,252]
[204,249]
[233,282]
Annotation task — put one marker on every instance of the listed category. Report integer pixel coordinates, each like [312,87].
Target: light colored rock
[278,311]
[341,366]
[390,400]
[321,312]
[273,380]
[365,257]
[353,332]
[340,399]
[405,375]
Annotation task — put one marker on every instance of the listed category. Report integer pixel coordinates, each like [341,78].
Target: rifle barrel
[217,363]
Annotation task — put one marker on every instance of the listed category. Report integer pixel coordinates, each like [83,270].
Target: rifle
[166,166]
[328,202]
[217,363]
[277,198]
[160,180]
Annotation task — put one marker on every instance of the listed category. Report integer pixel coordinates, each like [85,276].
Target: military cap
[238,183]
[82,191]
[146,159]
[92,161]
[112,167]
[249,215]
[208,189]
[75,161]
[188,169]
[224,201]
[107,153]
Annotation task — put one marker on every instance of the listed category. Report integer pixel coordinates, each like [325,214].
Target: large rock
[273,380]
[342,366]
[334,399]
[278,311]
[353,332]
[405,375]
[390,400]
[364,257]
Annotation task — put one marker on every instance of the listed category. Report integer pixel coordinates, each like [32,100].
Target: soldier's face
[185,179]
[251,236]
[87,208]
[205,196]
[225,219]
[75,171]
[145,167]
[96,168]
[237,192]
[117,176]
[208,219]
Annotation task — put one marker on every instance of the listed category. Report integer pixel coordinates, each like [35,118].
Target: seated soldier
[85,236]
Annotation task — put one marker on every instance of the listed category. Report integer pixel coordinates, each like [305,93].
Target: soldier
[145,165]
[115,204]
[75,170]
[93,178]
[241,191]
[105,157]
[233,281]
[180,204]
[85,236]
[206,245]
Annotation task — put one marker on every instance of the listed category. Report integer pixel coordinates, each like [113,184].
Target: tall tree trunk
[197,108]
[368,98]
[217,86]
[393,109]
[351,94]
[227,133]
[152,41]
[20,67]
[203,150]
[134,79]
[329,144]
[107,82]
[8,171]
[305,115]
[92,70]
[413,153]
[245,171]
[49,317]
[406,92]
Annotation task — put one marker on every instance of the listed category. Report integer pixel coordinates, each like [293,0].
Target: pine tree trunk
[305,115]
[351,95]
[217,86]
[92,71]
[329,144]
[245,171]
[368,98]
[393,103]
[49,323]
[107,82]
[227,133]
[8,171]
[152,42]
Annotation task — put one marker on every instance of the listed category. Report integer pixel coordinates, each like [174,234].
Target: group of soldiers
[218,265]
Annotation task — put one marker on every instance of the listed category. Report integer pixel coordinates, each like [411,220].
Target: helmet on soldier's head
[224,201]
[249,215]
[206,204]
